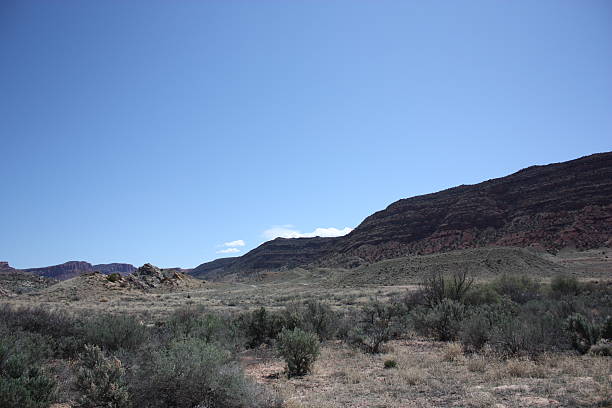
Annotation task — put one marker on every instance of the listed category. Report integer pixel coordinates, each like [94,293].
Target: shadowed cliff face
[550,207]
[275,254]
[560,205]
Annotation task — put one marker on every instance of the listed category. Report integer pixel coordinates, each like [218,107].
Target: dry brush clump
[101,380]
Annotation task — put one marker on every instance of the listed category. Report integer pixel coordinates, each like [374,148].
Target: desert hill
[551,207]
[147,278]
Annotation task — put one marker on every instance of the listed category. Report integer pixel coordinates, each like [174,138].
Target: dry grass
[452,352]
[344,377]
[477,364]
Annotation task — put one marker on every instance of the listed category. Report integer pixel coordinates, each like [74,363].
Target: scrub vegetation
[447,341]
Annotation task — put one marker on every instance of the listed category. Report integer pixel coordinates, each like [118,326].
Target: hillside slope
[561,205]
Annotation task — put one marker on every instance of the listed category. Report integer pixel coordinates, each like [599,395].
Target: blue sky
[157,131]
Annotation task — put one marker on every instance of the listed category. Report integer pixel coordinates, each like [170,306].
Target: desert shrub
[518,288]
[513,337]
[190,373]
[113,332]
[23,384]
[311,316]
[563,285]
[260,326]
[378,323]
[443,321]
[475,333]
[482,295]
[437,287]
[114,277]
[477,328]
[101,380]
[299,349]
[56,329]
[56,323]
[583,332]
[197,322]
[390,364]
[345,324]
[529,335]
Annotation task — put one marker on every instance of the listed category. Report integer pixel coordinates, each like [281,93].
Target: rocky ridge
[150,277]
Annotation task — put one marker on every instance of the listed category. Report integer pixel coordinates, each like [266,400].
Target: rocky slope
[71,269]
[14,281]
[549,207]
[150,277]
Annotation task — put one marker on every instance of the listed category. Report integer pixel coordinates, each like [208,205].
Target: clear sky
[157,131]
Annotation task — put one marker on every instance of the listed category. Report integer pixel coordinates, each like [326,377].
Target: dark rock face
[275,254]
[559,205]
[213,269]
[75,268]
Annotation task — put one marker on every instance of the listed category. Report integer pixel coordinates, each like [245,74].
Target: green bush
[299,349]
[114,277]
[59,330]
[378,323]
[190,373]
[475,333]
[23,384]
[390,364]
[477,328]
[55,323]
[101,381]
[311,316]
[518,288]
[529,335]
[584,333]
[197,322]
[114,332]
[260,327]
[443,321]
[563,285]
[482,295]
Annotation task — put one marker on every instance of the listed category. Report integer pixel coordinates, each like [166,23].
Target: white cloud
[228,251]
[237,243]
[289,231]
